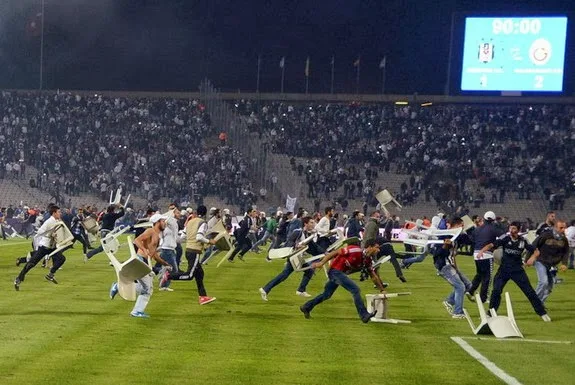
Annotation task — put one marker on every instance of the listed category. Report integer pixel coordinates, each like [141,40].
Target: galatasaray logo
[540,52]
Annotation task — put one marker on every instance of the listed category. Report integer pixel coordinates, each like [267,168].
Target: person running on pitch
[195,241]
[348,260]
[294,241]
[511,268]
[147,245]
[45,244]
[108,221]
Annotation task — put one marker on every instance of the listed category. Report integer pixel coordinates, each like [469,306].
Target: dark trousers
[385,249]
[483,267]
[243,246]
[323,242]
[518,276]
[58,260]
[82,239]
[194,271]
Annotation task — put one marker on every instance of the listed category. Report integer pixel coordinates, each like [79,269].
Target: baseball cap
[157,217]
[489,216]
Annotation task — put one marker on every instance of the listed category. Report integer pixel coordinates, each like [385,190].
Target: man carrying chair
[45,245]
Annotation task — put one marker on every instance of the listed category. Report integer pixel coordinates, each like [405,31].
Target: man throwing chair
[348,260]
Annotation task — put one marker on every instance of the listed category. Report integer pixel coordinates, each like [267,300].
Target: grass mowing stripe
[509,380]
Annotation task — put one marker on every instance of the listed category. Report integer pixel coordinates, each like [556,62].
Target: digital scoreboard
[514,54]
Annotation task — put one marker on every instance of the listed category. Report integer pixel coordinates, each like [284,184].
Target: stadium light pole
[41,85]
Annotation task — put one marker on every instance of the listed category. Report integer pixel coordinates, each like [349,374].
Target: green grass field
[72,333]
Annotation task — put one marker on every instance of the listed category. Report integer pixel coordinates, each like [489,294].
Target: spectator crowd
[507,149]
[155,147]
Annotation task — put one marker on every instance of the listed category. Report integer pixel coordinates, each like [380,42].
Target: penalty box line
[497,371]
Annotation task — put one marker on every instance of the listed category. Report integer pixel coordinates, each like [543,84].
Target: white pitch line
[509,380]
[517,340]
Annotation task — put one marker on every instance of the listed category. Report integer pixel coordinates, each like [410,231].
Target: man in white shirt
[45,244]
[570,234]
[170,241]
[322,228]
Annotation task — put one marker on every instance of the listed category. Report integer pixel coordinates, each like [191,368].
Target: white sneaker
[166,289]
[303,294]
[263,294]
[458,316]
[546,318]
[448,307]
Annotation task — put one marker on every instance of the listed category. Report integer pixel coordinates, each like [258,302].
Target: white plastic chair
[128,271]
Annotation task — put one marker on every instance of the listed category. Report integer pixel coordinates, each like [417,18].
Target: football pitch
[72,333]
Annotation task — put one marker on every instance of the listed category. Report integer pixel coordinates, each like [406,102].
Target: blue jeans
[460,284]
[544,281]
[212,249]
[170,257]
[337,278]
[262,241]
[285,273]
[416,259]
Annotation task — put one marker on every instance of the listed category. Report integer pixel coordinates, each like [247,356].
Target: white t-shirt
[322,227]
[570,234]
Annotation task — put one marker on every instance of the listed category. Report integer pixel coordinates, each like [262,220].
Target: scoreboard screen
[514,54]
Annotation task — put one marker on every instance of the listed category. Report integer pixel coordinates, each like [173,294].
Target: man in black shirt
[78,231]
[511,268]
[552,247]
[297,236]
[106,225]
[483,235]
[548,224]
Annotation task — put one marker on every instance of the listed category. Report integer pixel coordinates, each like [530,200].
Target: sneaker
[17,261]
[205,300]
[470,296]
[51,278]
[305,312]
[458,316]
[166,289]
[263,294]
[140,314]
[165,278]
[268,259]
[402,279]
[368,317]
[384,284]
[230,260]
[17,284]
[303,294]
[448,307]
[241,257]
[86,258]
[113,290]
[546,318]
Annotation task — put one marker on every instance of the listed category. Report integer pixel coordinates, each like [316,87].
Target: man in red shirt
[350,259]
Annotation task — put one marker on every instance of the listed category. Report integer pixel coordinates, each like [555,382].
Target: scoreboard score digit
[514,54]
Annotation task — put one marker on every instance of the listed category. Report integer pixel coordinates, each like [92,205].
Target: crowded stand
[507,149]
[154,147]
